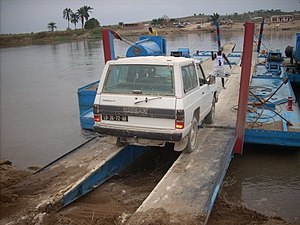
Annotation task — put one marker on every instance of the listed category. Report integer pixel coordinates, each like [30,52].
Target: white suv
[152,100]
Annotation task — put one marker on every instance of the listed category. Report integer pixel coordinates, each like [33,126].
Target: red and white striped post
[244,87]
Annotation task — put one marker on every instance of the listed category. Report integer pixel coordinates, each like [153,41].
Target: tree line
[213,18]
[82,14]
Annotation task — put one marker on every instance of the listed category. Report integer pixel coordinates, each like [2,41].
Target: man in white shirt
[219,58]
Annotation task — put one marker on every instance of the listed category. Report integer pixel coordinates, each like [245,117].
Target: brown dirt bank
[14,40]
[112,203]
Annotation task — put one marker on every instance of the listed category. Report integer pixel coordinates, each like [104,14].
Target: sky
[25,16]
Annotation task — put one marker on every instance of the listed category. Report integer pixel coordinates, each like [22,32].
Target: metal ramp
[74,174]
[188,190]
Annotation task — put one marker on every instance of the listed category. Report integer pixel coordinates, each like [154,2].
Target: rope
[263,43]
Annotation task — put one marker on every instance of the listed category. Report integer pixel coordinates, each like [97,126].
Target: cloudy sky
[24,16]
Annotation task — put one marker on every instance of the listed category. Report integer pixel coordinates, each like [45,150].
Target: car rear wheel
[210,117]
[192,136]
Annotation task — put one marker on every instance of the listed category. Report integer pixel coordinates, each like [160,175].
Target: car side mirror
[211,79]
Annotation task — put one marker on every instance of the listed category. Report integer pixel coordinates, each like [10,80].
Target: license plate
[115,118]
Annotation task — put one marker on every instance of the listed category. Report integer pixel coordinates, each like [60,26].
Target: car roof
[160,60]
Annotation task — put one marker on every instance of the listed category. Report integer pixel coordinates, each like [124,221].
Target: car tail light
[179,124]
[97,115]
[179,119]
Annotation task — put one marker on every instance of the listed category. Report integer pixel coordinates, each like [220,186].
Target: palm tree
[52,26]
[80,13]
[74,18]
[67,15]
[214,17]
[83,13]
[87,10]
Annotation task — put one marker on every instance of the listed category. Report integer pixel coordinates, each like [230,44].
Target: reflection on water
[40,116]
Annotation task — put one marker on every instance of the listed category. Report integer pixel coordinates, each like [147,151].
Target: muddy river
[40,116]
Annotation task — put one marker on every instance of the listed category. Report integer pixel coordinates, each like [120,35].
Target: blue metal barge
[269,118]
[273,111]
[86,96]
[273,115]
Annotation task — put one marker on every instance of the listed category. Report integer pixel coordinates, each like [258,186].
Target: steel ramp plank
[75,174]
[69,171]
[188,190]
[105,170]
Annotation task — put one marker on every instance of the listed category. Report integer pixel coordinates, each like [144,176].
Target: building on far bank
[296,16]
[282,18]
[133,26]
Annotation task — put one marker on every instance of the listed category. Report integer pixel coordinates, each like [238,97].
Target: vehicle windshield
[142,79]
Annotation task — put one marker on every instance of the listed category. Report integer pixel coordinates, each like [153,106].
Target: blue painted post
[260,34]
[218,34]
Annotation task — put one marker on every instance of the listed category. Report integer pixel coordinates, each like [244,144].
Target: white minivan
[152,100]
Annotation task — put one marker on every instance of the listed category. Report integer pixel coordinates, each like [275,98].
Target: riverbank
[14,40]
[108,204]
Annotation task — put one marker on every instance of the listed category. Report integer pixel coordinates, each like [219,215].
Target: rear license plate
[115,118]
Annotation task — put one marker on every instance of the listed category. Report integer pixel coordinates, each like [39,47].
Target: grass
[12,40]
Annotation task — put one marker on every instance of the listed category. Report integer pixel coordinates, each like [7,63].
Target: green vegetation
[74,18]
[7,40]
[67,15]
[91,24]
[83,14]
[52,26]
[214,18]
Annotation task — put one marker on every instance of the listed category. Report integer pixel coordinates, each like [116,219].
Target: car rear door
[205,91]
[139,95]
[140,111]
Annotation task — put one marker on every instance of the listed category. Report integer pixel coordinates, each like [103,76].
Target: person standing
[152,31]
[219,58]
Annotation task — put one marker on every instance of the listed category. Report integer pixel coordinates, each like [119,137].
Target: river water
[40,116]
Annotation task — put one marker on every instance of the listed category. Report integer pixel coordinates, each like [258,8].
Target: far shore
[14,40]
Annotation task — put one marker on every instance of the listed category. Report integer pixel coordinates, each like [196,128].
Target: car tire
[120,143]
[192,136]
[210,117]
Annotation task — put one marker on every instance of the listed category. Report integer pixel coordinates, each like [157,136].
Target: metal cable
[263,43]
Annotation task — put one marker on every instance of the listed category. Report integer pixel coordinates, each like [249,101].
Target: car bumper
[130,133]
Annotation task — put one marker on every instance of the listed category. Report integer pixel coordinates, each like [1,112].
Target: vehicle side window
[187,84]
[114,79]
[202,79]
[193,76]
[189,77]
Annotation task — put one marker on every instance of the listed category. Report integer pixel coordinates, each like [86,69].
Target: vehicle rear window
[144,79]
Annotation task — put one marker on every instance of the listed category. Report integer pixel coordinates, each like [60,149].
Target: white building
[282,18]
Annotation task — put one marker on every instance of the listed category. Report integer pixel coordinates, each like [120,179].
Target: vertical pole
[218,34]
[108,45]
[244,87]
[260,34]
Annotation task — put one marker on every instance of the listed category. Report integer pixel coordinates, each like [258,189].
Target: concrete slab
[187,192]
[226,108]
